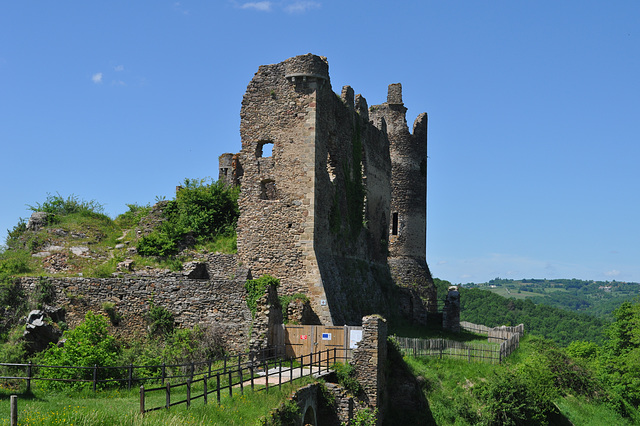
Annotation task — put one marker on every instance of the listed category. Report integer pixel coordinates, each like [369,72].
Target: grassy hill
[597,298]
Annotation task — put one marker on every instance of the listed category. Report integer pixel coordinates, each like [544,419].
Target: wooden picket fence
[501,342]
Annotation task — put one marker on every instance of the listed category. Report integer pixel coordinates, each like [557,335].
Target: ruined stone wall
[369,360]
[316,212]
[277,204]
[218,301]
[317,208]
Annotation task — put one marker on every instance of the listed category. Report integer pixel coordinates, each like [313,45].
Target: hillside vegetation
[76,238]
[541,383]
[596,298]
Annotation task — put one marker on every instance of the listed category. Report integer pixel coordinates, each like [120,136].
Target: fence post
[251,372]
[95,376]
[188,393]
[14,410]
[209,370]
[230,383]
[241,382]
[164,367]
[280,374]
[168,396]
[218,386]
[291,369]
[301,365]
[130,376]
[141,399]
[29,376]
[266,375]
[224,370]
[205,395]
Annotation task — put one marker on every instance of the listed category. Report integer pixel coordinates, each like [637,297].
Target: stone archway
[309,417]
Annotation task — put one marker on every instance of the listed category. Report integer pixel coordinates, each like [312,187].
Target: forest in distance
[546,307]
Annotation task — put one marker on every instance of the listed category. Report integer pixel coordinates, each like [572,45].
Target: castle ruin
[333,194]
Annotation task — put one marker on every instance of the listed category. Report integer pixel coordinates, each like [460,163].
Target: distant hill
[597,298]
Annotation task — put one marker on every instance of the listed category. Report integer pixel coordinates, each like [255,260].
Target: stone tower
[316,212]
[408,221]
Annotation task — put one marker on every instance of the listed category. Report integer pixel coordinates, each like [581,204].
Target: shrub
[161,320]
[347,377]
[286,300]
[44,292]
[86,345]
[58,205]
[256,288]
[11,292]
[14,262]
[202,212]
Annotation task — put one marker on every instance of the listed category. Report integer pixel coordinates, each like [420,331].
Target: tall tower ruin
[408,227]
[317,212]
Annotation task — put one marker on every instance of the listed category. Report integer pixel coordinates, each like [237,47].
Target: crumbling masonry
[333,194]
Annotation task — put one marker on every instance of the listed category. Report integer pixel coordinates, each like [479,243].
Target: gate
[305,339]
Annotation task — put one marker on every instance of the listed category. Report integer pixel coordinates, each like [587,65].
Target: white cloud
[263,6]
[442,262]
[180,9]
[612,273]
[301,6]
[119,68]
[118,83]
[97,78]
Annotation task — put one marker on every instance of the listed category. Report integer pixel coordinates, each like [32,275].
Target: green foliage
[11,292]
[13,235]
[131,217]
[58,205]
[365,417]
[162,242]
[44,292]
[102,270]
[484,307]
[86,345]
[286,414]
[512,398]
[15,262]
[110,309]
[346,374]
[202,209]
[596,298]
[161,320]
[256,288]
[288,298]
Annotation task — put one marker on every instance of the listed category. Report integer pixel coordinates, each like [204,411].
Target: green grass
[121,407]
[583,412]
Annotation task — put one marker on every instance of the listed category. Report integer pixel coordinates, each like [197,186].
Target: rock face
[37,221]
[38,333]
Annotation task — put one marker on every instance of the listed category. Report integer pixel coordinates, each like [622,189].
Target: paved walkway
[287,375]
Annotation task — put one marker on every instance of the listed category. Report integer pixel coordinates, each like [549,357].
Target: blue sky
[534,112]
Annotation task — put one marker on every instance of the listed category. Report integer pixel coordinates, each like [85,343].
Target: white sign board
[354,337]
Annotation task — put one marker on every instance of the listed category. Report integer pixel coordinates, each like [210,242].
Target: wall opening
[309,416]
[264,149]
[225,171]
[394,224]
[268,190]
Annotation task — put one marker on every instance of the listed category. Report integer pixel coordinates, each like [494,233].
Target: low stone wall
[218,301]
